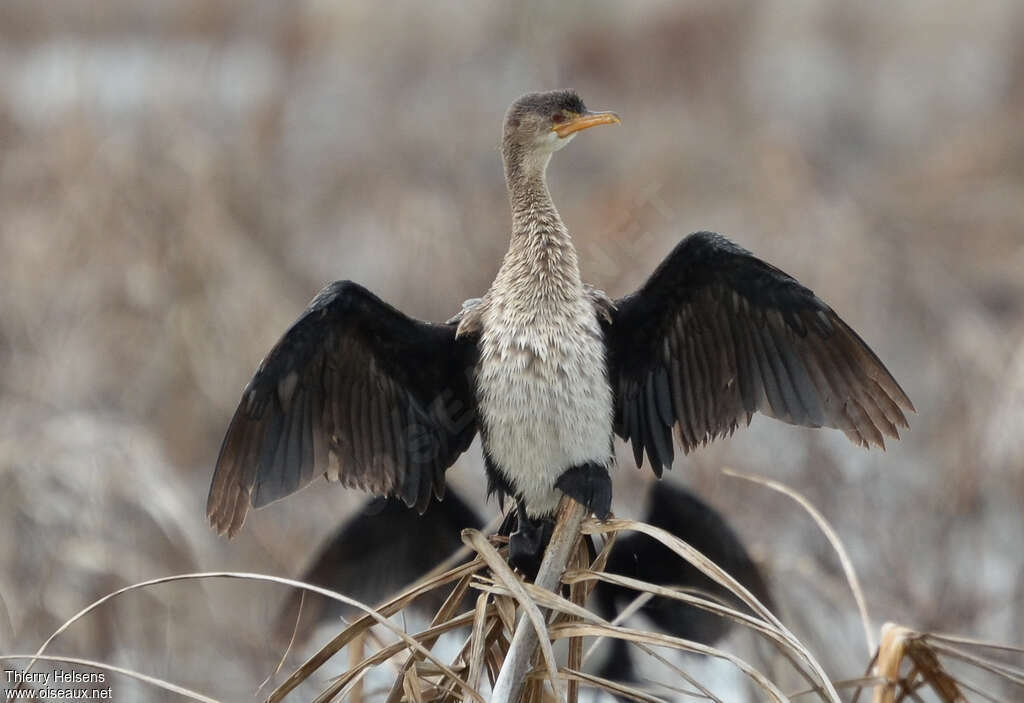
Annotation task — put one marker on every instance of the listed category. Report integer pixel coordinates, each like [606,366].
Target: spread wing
[716,334]
[355,390]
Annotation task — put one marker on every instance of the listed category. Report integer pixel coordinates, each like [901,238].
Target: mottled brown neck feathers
[525,176]
[541,250]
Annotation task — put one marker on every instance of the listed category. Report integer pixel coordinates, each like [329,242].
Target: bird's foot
[527,544]
[590,485]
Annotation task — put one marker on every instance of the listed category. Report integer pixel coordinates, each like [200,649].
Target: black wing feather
[354,389]
[716,334]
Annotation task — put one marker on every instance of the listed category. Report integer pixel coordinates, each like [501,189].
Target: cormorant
[545,368]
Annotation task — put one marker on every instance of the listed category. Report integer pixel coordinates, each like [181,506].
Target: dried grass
[833,539]
[907,661]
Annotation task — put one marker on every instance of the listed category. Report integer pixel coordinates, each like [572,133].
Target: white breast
[543,393]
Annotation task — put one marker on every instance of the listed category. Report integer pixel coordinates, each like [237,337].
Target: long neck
[541,253]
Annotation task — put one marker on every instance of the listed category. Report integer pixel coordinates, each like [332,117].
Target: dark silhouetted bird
[545,368]
[377,552]
[641,557]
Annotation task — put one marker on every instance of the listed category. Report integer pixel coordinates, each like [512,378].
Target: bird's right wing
[717,334]
[355,390]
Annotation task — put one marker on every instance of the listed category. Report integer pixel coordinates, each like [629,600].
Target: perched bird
[545,368]
[387,546]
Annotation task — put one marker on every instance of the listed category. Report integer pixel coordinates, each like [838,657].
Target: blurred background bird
[388,546]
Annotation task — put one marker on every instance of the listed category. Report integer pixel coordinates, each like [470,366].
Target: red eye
[558,118]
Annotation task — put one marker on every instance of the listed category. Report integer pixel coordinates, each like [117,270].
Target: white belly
[544,397]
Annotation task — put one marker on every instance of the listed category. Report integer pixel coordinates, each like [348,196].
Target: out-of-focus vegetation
[178,179]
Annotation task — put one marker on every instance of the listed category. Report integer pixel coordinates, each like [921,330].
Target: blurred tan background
[177,179]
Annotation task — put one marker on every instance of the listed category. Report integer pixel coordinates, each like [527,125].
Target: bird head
[542,123]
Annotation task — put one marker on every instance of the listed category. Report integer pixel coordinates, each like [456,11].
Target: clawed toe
[527,544]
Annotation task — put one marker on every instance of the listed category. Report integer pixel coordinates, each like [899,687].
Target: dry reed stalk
[512,676]
[578,595]
[833,537]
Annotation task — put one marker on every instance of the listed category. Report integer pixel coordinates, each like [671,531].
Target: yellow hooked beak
[585,121]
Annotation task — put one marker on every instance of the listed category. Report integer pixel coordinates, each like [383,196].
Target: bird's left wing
[356,390]
[716,334]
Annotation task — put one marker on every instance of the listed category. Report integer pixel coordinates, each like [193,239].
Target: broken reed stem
[578,595]
[509,686]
